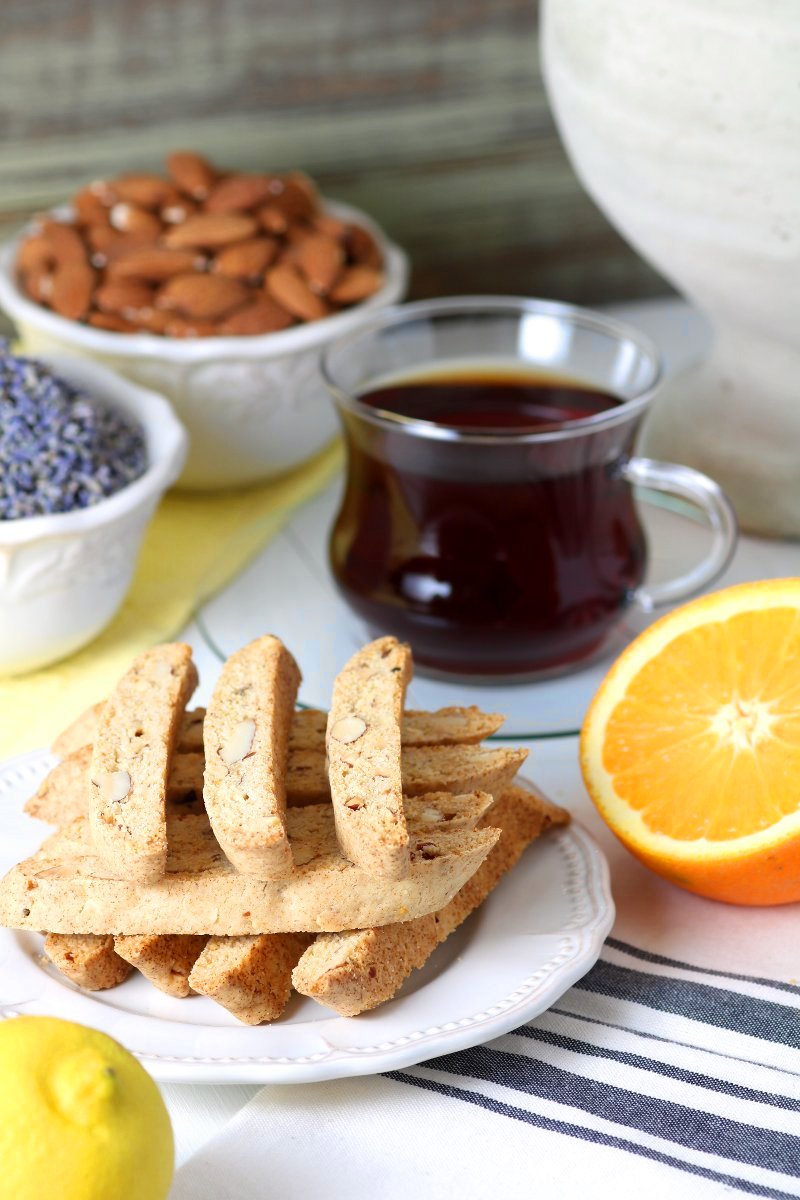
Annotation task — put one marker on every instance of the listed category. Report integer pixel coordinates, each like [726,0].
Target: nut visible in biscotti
[348,729]
[207,297]
[238,193]
[191,173]
[286,285]
[262,316]
[239,744]
[114,786]
[211,230]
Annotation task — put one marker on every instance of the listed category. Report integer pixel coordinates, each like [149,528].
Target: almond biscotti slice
[130,763]
[422,769]
[250,976]
[363,748]
[246,736]
[444,727]
[358,970]
[87,960]
[65,887]
[63,794]
[83,729]
[164,959]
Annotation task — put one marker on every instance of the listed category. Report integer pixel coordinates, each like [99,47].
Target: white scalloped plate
[538,933]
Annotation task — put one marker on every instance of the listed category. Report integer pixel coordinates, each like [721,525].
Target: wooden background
[430,114]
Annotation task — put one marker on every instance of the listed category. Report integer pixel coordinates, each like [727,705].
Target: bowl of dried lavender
[85,457]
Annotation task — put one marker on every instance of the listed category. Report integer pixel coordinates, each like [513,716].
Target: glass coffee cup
[488,516]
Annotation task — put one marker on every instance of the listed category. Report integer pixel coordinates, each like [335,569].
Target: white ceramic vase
[682,119]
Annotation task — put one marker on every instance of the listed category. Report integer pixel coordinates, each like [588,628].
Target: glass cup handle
[706,495]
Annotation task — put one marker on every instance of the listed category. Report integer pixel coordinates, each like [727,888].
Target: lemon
[80,1118]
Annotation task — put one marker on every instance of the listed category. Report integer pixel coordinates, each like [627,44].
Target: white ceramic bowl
[253,406]
[63,576]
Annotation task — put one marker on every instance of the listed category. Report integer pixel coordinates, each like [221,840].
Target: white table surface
[200,1111]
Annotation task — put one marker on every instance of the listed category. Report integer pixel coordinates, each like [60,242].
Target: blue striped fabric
[698,1070]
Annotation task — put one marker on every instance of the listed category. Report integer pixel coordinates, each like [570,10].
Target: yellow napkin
[195,544]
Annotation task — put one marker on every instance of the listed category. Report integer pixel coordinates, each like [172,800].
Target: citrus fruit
[80,1118]
[691,747]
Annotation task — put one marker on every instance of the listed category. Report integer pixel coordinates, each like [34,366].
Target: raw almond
[73,286]
[153,320]
[211,230]
[177,209]
[34,254]
[262,316]
[246,260]
[132,218]
[65,242]
[320,259]
[237,193]
[108,244]
[184,327]
[39,284]
[202,297]
[298,197]
[111,322]
[286,285]
[149,191]
[123,296]
[153,263]
[356,284]
[332,226]
[361,246]
[89,208]
[273,219]
[191,172]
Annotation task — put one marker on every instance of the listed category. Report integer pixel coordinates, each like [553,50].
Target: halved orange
[691,747]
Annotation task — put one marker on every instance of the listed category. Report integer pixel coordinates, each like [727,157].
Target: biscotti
[165,959]
[66,888]
[355,971]
[246,741]
[87,960]
[457,769]
[130,762]
[249,976]
[444,727]
[362,742]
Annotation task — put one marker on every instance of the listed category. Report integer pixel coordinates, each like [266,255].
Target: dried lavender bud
[60,449]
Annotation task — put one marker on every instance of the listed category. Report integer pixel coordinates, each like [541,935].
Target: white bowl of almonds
[216,289]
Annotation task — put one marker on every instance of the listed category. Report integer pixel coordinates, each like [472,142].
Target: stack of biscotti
[243,849]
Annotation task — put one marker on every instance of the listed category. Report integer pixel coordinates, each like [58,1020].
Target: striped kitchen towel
[650,1077]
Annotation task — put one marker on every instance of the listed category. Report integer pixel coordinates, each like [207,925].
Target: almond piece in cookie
[363,747]
[246,736]
[130,762]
